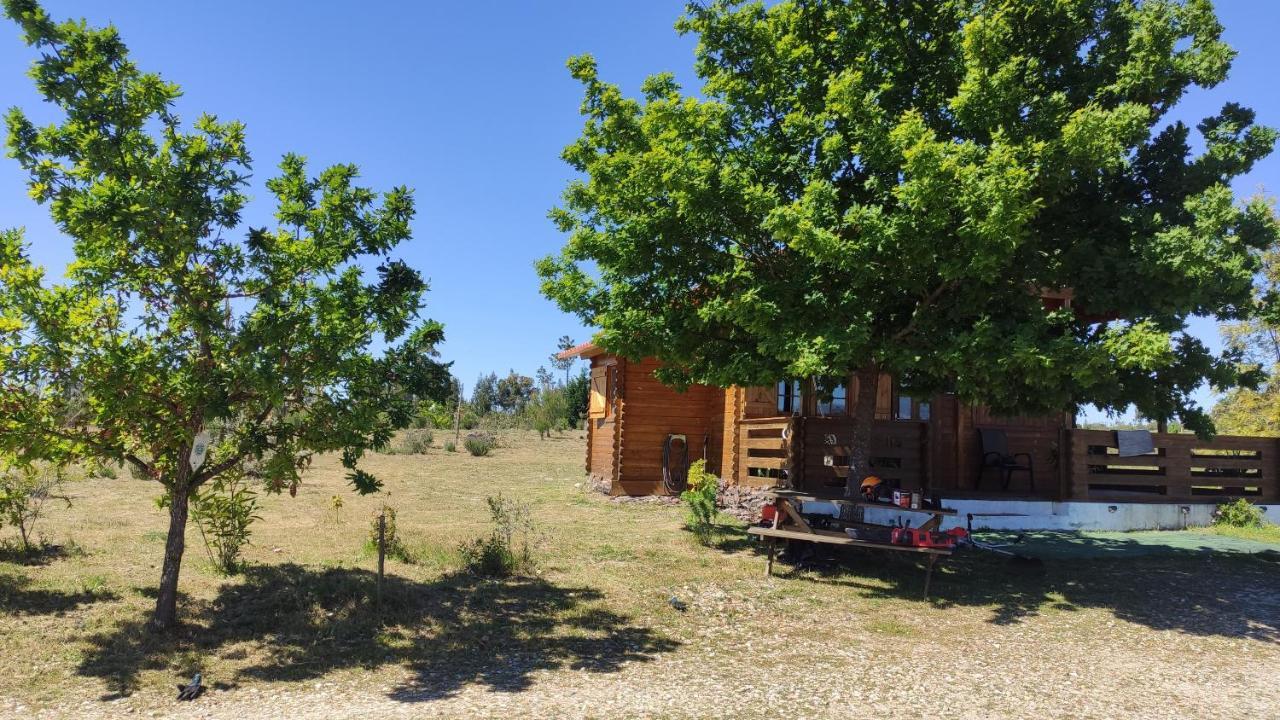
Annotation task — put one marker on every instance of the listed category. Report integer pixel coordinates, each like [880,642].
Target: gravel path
[732,663]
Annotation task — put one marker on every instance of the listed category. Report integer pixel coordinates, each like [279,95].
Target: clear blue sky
[470,105]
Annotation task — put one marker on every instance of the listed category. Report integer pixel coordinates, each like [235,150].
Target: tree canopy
[176,319]
[886,184]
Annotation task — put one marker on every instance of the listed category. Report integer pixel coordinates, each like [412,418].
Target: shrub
[224,513]
[450,447]
[700,499]
[393,545]
[1240,513]
[480,443]
[508,550]
[24,492]
[413,442]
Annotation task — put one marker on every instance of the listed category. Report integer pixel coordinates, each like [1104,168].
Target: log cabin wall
[625,441]
[602,427]
[651,412]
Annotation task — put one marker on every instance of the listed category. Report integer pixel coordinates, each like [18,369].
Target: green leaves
[853,186]
[174,317]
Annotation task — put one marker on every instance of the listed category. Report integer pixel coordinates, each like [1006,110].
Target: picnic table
[789,524]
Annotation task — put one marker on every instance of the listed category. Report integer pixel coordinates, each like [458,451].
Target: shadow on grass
[726,538]
[41,554]
[304,622]
[18,598]
[1182,589]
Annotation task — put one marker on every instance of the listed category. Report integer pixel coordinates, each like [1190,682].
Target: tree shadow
[726,538]
[452,632]
[38,554]
[1187,590]
[18,598]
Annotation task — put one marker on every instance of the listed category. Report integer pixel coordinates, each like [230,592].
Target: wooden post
[457,417]
[382,556]
[928,573]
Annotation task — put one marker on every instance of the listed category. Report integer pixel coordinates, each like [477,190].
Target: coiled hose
[675,478]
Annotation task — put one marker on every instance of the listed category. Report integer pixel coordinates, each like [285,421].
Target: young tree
[546,380]
[172,344]
[577,393]
[566,363]
[485,394]
[861,187]
[1256,411]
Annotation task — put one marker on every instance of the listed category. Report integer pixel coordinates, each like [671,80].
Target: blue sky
[470,105]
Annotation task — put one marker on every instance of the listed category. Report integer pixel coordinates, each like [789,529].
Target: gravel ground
[733,663]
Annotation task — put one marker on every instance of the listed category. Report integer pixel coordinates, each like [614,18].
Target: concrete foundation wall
[1049,515]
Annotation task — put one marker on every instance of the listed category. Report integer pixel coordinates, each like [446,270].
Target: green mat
[1084,545]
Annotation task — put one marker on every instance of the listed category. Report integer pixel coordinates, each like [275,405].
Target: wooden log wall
[652,411]
[1181,469]
[602,433]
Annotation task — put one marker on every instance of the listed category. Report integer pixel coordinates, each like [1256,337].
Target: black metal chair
[996,455]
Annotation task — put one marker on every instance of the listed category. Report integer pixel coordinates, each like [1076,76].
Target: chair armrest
[1024,455]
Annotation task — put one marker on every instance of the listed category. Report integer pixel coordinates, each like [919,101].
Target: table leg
[768,568]
[928,573]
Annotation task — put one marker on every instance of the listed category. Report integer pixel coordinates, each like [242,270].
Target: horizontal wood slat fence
[811,453]
[1181,469]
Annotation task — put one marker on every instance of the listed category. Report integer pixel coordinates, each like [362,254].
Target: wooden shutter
[884,397]
[599,392]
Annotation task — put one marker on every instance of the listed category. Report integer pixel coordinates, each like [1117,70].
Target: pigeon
[677,603]
[192,691]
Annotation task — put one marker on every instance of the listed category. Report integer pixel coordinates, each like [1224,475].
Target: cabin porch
[809,454]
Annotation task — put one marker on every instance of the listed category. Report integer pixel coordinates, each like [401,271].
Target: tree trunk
[166,614]
[864,415]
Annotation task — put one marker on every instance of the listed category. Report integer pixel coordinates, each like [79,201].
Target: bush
[700,499]
[508,550]
[1240,513]
[480,443]
[224,513]
[393,545]
[450,447]
[436,415]
[412,442]
[24,492]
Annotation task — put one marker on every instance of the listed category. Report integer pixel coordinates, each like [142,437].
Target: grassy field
[592,633]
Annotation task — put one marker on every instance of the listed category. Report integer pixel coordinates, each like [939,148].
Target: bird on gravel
[677,603]
[192,691]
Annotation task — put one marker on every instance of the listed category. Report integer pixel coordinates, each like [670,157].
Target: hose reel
[675,464]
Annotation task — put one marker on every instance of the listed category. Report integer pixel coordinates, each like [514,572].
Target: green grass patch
[1268,533]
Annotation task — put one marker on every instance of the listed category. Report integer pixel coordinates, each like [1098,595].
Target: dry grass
[994,641]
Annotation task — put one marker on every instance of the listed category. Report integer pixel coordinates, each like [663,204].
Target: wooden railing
[764,451]
[1182,468]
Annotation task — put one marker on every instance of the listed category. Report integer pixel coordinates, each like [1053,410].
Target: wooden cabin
[787,435]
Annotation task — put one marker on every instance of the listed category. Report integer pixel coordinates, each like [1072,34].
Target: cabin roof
[583,350]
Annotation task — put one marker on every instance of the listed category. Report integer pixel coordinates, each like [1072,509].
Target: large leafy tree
[885,185]
[174,321]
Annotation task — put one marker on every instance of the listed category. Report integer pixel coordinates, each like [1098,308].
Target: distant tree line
[543,402]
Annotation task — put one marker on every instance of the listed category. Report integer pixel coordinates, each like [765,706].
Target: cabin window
[789,397]
[834,406]
[910,408]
